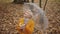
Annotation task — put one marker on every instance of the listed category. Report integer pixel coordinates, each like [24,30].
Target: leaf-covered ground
[10,14]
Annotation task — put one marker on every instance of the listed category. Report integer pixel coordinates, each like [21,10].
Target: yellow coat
[29,28]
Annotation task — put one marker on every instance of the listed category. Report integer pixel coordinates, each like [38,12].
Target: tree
[45,4]
[20,1]
[40,3]
[32,1]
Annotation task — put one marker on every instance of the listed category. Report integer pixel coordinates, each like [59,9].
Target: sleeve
[30,27]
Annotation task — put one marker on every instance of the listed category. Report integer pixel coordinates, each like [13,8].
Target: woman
[26,23]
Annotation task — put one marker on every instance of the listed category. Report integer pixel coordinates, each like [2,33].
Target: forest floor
[9,17]
[53,14]
[52,10]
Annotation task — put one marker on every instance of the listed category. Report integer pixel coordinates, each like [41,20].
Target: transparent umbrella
[33,19]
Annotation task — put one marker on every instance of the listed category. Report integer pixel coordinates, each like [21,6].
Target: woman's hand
[28,14]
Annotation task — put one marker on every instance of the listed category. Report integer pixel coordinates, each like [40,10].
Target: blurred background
[52,9]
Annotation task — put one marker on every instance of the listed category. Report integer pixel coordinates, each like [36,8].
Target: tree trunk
[18,1]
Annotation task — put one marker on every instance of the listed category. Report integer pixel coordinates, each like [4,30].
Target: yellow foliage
[29,28]
[6,1]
